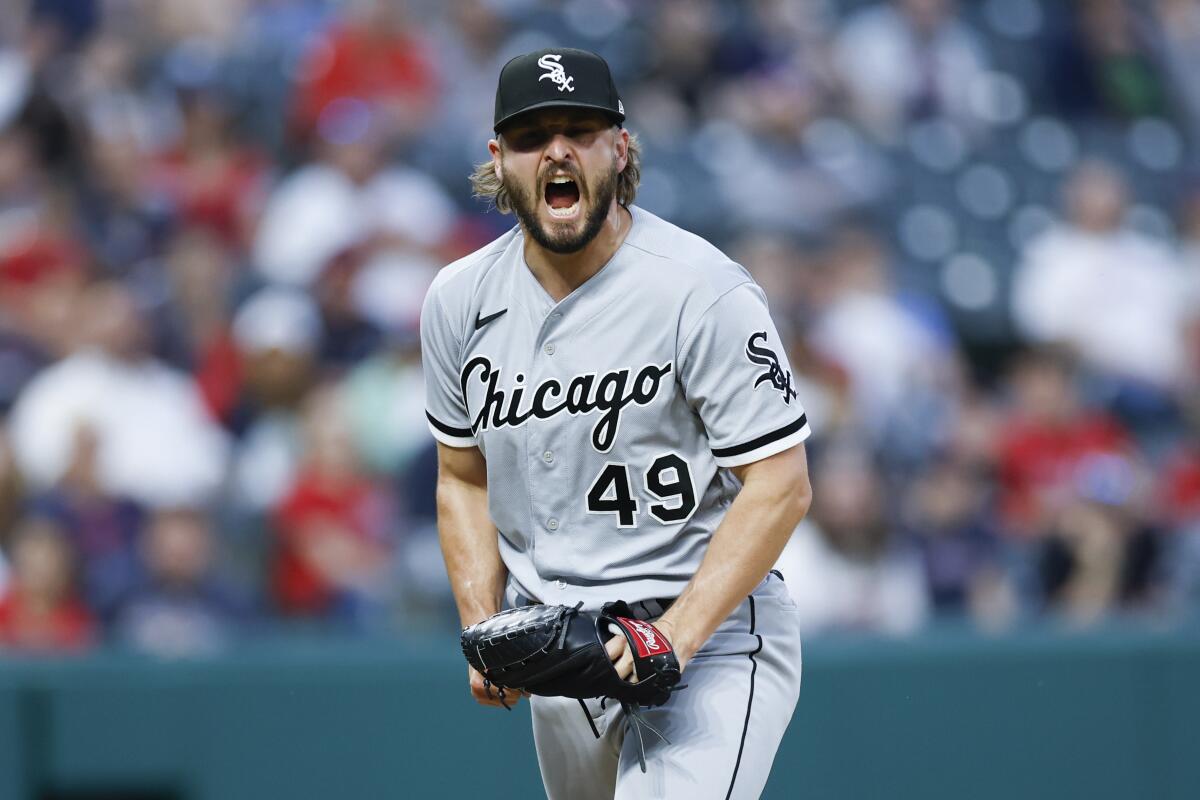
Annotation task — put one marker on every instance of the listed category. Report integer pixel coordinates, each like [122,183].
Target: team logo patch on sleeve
[775,374]
[649,641]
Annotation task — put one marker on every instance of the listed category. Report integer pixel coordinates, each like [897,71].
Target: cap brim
[619,118]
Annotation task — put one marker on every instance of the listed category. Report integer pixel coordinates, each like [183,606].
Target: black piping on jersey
[762,441]
[749,703]
[462,433]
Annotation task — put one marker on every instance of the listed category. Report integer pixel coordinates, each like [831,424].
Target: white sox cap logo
[555,72]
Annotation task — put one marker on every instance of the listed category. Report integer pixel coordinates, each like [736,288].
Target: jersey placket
[543,456]
[546,456]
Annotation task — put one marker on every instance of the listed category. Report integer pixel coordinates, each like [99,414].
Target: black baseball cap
[556,76]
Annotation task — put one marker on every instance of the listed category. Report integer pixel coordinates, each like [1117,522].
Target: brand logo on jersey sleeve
[648,639]
[775,374]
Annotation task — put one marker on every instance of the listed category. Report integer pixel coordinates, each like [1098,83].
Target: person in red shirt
[1179,486]
[40,610]
[333,545]
[1046,438]
[214,181]
[375,56]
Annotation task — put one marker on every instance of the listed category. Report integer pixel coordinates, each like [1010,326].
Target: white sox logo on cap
[555,72]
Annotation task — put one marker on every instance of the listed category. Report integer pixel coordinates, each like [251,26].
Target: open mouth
[562,196]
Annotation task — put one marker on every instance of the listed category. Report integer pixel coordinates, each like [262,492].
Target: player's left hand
[622,656]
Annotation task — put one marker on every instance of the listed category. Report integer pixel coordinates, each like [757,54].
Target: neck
[562,273]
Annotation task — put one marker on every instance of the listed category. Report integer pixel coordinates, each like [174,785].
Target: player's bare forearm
[468,537]
[775,496]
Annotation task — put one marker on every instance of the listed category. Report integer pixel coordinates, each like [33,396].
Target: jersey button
[548,457]
[552,524]
[560,585]
[549,348]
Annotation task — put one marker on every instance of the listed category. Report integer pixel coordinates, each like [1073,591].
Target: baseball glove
[558,651]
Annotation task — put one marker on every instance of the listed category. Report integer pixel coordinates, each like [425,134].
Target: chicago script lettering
[583,394]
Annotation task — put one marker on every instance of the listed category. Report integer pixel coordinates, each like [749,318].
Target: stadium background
[979,224]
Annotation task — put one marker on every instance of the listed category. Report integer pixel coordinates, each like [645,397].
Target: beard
[525,203]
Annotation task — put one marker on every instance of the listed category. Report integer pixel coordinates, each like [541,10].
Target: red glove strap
[649,640]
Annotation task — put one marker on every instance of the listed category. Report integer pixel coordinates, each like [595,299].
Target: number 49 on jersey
[668,480]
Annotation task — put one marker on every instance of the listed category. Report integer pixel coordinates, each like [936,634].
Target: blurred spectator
[385,407]
[1179,495]
[39,264]
[277,333]
[181,608]
[683,59]
[1099,557]
[1177,40]
[896,362]
[1047,436]
[470,44]
[1180,489]
[22,185]
[348,197]
[1111,293]
[949,519]
[906,60]
[349,333]
[334,542]
[1101,63]
[377,56]
[1190,241]
[212,180]
[172,21]
[156,443]
[126,219]
[102,529]
[10,489]
[64,24]
[40,280]
[194,329]
[845,567]
[40,610]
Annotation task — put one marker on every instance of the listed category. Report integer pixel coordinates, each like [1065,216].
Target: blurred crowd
[978,224]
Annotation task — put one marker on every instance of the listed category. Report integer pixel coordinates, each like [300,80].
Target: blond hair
[487,186]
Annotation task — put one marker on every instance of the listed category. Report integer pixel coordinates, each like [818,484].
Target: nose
[558,149]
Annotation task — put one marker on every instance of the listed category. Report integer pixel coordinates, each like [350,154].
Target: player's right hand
[490,695]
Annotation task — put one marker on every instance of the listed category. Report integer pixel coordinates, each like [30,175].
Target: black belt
[642,609]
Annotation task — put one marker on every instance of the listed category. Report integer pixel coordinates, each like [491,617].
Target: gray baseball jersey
[605,418]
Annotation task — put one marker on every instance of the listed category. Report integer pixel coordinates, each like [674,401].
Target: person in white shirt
[157,444]
[1114,295]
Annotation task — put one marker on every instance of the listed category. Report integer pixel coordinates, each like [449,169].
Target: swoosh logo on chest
[480,320]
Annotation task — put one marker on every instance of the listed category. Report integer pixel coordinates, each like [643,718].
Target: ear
[621,148]
[494,149]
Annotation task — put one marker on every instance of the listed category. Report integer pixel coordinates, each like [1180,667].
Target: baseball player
[616,419]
